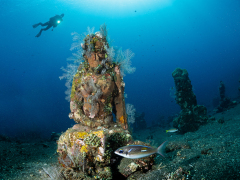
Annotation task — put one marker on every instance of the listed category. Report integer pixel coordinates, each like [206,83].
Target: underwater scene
[120,90]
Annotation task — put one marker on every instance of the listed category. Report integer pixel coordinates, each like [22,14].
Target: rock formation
[191,115]
[225,102]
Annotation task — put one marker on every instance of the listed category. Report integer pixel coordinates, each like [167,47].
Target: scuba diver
[53,22]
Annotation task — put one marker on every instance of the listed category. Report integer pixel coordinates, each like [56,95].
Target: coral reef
[89,152]
[225,102]
[191,115]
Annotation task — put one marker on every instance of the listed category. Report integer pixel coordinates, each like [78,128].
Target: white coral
[131,113]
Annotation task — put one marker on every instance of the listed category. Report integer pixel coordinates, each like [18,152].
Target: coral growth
[124,61]
[225,102]
[191,115]
[131,113]
[98,87]
[68,74]
[97,91]
[91,151]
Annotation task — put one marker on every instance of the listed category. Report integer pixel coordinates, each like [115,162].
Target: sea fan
[124,60]
[90,30]
[130,110]
[79,39]
[110,53]
[68,74]
[103,30]
[77,57]
[126,64]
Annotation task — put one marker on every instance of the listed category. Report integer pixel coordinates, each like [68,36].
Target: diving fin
[35,25]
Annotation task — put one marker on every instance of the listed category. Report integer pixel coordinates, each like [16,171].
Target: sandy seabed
[211,152]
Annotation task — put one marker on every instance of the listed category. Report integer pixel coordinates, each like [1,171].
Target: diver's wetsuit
[53,22]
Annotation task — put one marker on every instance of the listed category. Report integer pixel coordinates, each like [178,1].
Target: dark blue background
[201,36]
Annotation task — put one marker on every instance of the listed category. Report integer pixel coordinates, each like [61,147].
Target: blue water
[201,36]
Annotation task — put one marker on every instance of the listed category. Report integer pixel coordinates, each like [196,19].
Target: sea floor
[210,153]
[26,160]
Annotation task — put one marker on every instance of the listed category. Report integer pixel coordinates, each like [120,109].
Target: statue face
[93,62]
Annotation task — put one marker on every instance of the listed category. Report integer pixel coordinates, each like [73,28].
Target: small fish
[172,130]
[139,151]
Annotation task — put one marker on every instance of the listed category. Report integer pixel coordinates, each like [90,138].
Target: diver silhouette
[53,22]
